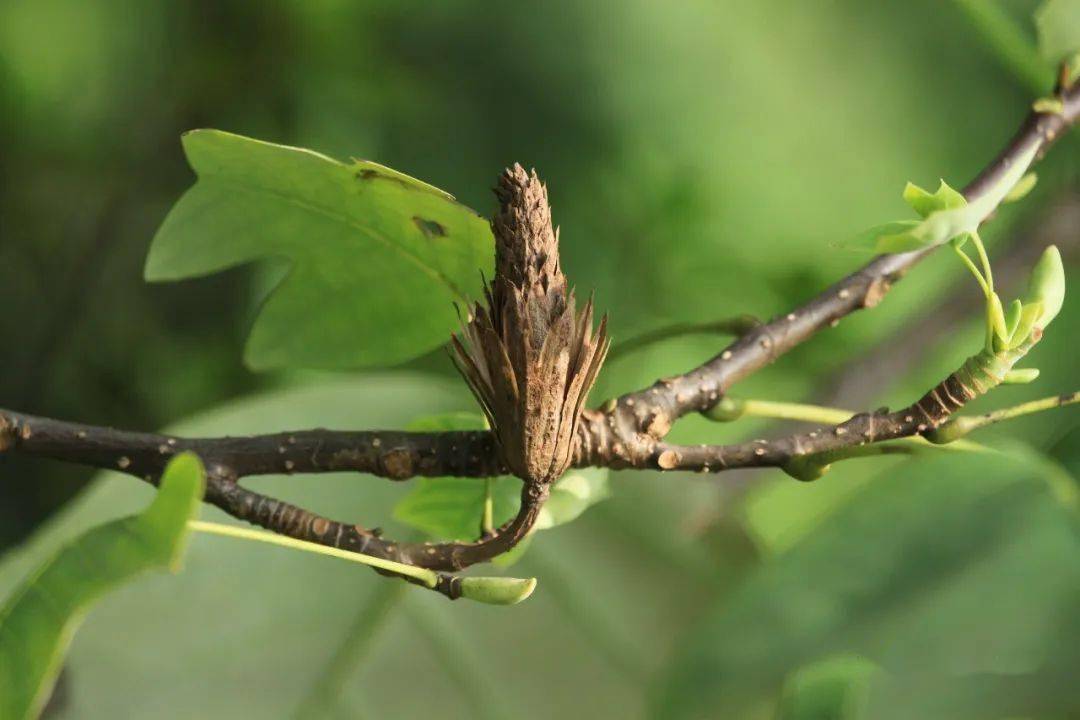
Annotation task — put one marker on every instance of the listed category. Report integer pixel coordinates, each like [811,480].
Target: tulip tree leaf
[450,508]
[378,259]
[38,621]
[925,202]
[946,213]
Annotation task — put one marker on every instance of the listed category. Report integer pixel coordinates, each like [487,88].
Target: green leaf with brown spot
[378,258]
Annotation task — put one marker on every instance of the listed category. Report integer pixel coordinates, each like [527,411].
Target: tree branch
[391,454]
[626,432]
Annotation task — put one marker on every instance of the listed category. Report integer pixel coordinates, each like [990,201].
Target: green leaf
[946,213]
[38,622]
[449,508]
[1012,317]
[995,318]
[869,240]
[916,573]
[378,259]
[1058,25]
[925,203]
[573,494]
[1029,315]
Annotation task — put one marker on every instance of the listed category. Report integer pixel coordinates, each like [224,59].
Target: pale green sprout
[946,214]
[1009,330]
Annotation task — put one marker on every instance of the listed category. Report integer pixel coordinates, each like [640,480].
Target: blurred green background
[701,156]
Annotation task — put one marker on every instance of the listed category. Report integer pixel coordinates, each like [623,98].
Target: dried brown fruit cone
[529,356]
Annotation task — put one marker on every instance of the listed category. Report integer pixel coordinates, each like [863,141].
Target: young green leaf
[38,621]
[995,319]
[868,240]
[378,259]
[1012,317]
[1029,316]
[925,203]
[946,214]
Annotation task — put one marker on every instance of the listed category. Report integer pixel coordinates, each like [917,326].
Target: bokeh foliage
[701,157]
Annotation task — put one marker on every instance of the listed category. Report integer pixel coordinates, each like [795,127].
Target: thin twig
[738,325]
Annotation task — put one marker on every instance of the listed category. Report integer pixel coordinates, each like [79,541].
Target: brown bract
[530,357]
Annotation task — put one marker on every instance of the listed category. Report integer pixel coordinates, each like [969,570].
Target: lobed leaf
[378,258]
[450,508]
[946,213]
[925,203]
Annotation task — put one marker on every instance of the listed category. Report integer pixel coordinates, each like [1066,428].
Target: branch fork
[531,358]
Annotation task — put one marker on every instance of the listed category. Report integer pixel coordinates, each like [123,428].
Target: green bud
[1047,285]
[1020,376]
[1051,104]
[727,410]
[805,468]
[497,590]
